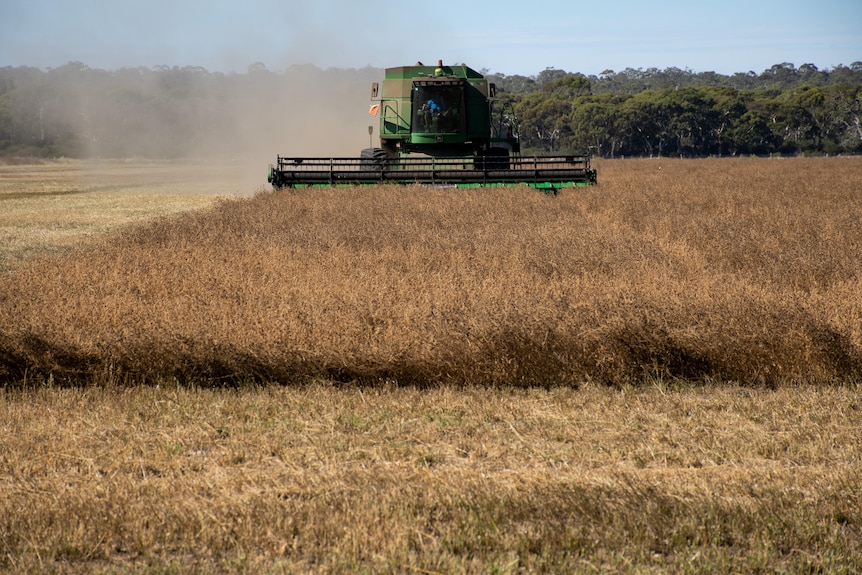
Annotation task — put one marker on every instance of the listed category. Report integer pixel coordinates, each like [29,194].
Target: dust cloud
[221,125]
[305,112]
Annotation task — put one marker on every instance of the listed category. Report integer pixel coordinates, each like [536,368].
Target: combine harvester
[440,126]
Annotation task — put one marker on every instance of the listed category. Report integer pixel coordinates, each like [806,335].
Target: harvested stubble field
[54,206]
[657,374]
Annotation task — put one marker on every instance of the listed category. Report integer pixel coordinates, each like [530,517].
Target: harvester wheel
[373,159]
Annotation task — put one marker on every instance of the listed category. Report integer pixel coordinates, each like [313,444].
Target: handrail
[384,116]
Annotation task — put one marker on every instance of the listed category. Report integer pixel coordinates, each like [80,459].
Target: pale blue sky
[509,37]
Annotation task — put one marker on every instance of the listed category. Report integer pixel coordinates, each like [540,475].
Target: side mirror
[492,90]
[374,89]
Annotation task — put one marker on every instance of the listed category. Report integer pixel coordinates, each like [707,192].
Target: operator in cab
[433,109]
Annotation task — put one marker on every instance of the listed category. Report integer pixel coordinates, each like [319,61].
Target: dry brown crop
[730,269]
[684,284]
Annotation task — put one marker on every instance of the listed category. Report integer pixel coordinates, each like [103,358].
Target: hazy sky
[509,37]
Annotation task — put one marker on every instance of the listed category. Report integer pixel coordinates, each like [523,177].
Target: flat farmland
[657,374]
[57,205]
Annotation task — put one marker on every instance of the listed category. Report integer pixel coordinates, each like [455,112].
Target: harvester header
[443,126]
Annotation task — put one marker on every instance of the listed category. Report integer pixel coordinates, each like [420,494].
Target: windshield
[438,108]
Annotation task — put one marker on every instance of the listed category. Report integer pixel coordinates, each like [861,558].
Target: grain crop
[734,269]
[660,374]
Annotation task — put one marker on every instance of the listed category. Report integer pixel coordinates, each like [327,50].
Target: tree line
[671,112]
[169,112]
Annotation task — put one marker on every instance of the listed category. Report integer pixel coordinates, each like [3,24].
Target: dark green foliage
[673,112]
[165,112]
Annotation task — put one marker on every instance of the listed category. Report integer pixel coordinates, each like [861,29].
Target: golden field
[742,270]
[384,479]
[54,206]
[657,374]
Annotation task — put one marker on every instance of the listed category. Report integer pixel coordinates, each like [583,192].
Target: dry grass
[444,480]
[55,206]
[687,288]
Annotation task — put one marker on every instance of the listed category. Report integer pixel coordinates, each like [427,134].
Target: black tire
[373,159]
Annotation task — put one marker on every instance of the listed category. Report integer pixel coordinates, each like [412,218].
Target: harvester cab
[443,126]
[442,111]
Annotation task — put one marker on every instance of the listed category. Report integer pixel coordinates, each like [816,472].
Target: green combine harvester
[441,126]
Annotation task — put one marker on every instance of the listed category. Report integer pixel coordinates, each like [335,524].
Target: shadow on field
[632,354]
[33,360]
[648,349]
